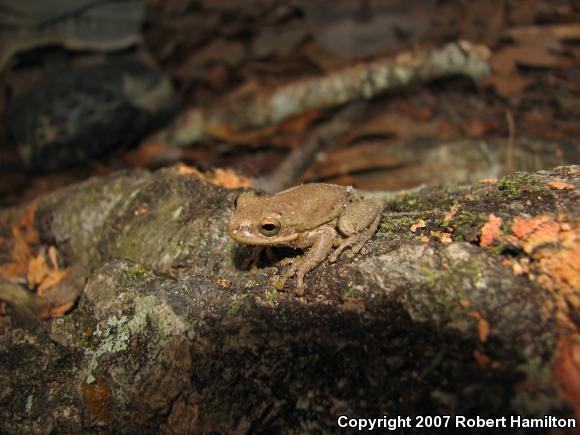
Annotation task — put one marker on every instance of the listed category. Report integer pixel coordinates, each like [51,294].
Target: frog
[323,220]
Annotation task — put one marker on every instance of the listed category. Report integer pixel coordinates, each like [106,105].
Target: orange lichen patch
[482,325]
[566,370]
[520,267]
[536,231]
[483,330]
[229,179]
[482,359]
[554,249]
[223,283]
[188,170]
[560,274]
[451,214]
[491,230]
[220,177]
[24,237]
[420,224]
[442,237]
[488,180]
[446,238]
[97,397]
[560,185]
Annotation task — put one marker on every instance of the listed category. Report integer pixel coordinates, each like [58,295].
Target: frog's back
[310,205]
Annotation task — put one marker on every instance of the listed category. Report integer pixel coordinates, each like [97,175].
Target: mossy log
[437,315]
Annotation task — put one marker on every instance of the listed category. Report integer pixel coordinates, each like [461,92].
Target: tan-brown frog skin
[315,217]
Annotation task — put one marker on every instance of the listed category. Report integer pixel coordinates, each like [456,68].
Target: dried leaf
[508,85]
[391,124]
[24,235]
[372,155]
[54,277]
[61,310]
[37,270]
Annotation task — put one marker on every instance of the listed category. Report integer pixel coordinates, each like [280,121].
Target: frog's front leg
[320,244]
[253,260]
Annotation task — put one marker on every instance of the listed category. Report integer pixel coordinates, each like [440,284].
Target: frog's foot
[287,275]
[299,289]
[286,261]
[345,243]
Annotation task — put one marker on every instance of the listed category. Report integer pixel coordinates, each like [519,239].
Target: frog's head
[254,222]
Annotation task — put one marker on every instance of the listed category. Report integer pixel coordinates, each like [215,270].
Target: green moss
[506,228]
[468,225]
[29,403]
[138,271]
[349,294]
[470,218]
[514,184]
[237,303]
[447,285]
[539,400]
[271,294]
[400,226]
[387,229]
[435,362]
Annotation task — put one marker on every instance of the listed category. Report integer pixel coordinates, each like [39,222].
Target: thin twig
[239,113]
[510,144]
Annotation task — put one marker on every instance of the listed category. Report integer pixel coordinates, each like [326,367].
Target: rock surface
[170,335]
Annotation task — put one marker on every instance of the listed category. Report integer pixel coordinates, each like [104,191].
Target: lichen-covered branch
[265,107]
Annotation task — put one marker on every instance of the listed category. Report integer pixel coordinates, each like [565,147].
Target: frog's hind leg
[356,241]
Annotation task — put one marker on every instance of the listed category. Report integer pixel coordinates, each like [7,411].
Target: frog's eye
[269,227]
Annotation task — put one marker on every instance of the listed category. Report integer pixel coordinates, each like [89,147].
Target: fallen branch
[238,113]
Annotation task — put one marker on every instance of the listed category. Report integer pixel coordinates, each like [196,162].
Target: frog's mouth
[264,240]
